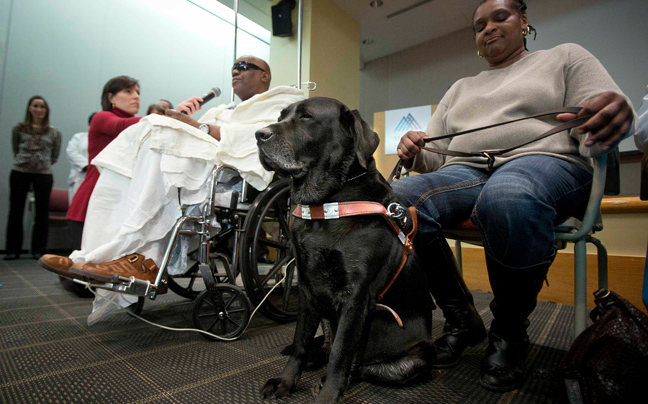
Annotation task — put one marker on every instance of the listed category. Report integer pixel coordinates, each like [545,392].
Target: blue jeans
[515,207]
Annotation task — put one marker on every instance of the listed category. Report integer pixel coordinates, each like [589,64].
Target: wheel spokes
[191,283]
[213,324]
[272,243]
[273,271]
[230,301]
[285,228]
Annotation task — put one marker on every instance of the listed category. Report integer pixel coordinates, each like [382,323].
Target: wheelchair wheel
[190,284]
[228,321]
[267,253]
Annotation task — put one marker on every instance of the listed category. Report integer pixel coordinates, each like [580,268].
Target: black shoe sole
[476,340]
[446,365]
[90,276]
[501,389]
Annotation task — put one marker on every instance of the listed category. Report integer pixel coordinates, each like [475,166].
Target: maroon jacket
[105,127]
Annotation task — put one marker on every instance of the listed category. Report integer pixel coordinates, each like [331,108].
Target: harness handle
[491,154]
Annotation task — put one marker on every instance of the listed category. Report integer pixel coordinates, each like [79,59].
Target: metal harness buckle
[491,159]
[397,212]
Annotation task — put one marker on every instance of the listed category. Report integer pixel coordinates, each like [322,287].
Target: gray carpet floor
[48,354]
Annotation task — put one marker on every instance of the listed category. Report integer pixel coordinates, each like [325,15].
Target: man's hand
[410,144]
[182,118]
[214,131]
[190,106]
[611,119]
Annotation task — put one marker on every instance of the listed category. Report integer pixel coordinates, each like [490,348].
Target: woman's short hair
[25,125]
[113,86]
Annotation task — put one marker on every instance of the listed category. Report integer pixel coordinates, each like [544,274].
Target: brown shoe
[131,265]
[56,263]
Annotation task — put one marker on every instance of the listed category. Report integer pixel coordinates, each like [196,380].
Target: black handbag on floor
[608,362]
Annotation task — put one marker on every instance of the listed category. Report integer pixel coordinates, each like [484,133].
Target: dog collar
[394,216]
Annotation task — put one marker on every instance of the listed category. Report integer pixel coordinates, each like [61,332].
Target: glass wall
[66,50]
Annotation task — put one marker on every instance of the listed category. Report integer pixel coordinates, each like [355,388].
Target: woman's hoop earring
[480,54]
[526,31]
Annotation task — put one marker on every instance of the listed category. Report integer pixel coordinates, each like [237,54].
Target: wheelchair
[252,249]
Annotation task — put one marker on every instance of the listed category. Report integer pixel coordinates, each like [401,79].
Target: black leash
[491,154]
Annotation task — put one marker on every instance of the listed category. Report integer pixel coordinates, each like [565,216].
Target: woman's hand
[611,119]
[410,144]
[189,106]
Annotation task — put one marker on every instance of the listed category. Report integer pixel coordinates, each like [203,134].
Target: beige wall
[335,54]
[330,53]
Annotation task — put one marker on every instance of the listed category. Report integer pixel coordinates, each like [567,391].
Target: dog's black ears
[365,139]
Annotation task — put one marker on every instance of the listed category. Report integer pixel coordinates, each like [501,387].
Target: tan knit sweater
[543,80]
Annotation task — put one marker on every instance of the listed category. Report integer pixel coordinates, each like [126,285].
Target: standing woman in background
[120,101]
[36,146]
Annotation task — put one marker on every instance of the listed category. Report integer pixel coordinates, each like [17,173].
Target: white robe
[77,153]
[158,165]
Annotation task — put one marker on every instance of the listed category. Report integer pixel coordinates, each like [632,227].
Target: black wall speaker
[281,19]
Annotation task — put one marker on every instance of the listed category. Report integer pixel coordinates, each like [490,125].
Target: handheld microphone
[211,94]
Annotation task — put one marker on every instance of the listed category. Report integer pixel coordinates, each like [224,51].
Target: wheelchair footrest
[131,286]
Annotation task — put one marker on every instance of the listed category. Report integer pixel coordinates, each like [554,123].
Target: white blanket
[237,147]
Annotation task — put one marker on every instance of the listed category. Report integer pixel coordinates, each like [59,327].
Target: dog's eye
[305,117]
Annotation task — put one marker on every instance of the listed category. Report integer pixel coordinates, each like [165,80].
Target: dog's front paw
[317,387]
[326,395]
[277,388]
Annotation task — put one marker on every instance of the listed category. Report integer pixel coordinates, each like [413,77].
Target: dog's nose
[263,134]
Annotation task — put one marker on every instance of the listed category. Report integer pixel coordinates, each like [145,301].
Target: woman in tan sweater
[516,199]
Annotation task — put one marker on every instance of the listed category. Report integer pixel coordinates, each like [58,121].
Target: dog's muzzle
[263,135]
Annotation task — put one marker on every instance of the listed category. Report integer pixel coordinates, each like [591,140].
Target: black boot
[516,295]
[464,327]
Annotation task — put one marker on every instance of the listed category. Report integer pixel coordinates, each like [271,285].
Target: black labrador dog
[343,263]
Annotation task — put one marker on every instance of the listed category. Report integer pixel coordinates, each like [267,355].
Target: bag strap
[491,154]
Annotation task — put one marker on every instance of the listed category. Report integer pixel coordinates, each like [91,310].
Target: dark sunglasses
[243,66]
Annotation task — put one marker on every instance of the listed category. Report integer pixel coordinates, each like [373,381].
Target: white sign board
[400,121]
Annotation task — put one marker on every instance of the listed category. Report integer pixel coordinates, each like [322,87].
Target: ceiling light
[368,41]
[376,3]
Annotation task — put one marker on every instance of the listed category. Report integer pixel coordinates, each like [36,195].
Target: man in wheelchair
[154,168]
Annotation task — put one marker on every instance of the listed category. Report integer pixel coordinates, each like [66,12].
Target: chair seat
[467,227]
